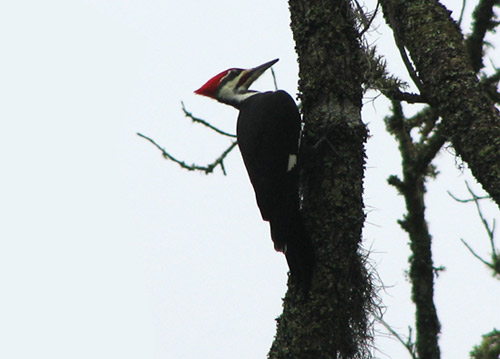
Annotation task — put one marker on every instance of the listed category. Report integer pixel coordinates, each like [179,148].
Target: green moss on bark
[416,159]
[450,84]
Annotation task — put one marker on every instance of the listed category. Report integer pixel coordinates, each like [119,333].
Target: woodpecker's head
[231,86]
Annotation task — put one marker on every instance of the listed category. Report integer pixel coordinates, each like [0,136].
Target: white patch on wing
[292,161]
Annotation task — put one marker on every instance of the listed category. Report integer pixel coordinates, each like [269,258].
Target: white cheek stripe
[292,161]
[227,93]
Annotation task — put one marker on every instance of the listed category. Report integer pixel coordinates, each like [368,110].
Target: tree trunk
[449,84]
[332,320]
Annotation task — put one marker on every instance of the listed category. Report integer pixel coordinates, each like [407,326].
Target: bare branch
[466,200]
[477,255]
[494,265]
[426,120]
[193,167]
[408,97]
[475,198]
[429,151]
[398,126]
[408,343]
[204,123]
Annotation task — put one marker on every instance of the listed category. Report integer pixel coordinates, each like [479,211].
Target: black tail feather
[290,237]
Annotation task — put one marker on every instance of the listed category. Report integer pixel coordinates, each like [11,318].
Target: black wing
[268,134]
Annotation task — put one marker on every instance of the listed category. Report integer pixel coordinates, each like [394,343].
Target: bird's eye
[232,74]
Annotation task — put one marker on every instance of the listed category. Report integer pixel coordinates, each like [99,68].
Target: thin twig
[401,46]
[274,79]
[408,344]
[477,255]
[476,202]
[193,167]
[462,13]
[205,123]
[366,22]
[468,199]
[495,255]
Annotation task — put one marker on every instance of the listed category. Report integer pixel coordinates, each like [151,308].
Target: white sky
[109,251]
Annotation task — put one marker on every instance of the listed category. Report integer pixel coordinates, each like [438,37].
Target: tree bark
[412,187]
[331,321]
[449,84]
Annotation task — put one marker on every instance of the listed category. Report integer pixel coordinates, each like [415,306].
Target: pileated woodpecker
[268,132]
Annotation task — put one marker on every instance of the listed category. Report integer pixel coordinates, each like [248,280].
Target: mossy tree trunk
[332,320]
[445,71]
[449,84]
[416,157]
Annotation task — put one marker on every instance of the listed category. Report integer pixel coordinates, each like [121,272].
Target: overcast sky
[109,251]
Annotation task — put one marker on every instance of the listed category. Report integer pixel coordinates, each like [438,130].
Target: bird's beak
[249,76]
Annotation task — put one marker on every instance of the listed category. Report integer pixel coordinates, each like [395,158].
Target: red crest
[210,88]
